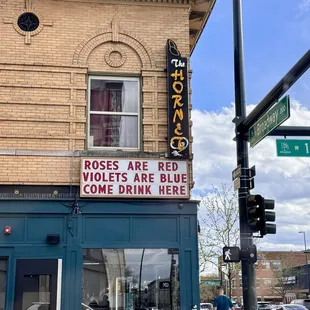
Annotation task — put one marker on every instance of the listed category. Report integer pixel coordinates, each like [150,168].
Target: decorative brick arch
[84,49]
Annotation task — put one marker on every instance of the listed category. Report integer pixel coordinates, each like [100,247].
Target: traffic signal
[255,212]
[258,217]
[269,216]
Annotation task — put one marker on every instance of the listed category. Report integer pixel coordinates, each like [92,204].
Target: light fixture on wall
[53,239]
[7,230]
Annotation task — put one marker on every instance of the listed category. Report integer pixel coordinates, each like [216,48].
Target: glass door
[37,284]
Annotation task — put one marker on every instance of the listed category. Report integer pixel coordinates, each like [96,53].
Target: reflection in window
[37,291]
[130,279]
[3,276]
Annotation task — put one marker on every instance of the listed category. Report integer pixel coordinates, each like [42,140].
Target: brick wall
[43,77]
[267,271]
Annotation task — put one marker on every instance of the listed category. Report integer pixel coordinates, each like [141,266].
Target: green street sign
[274,117]
[212,282]
[297,148]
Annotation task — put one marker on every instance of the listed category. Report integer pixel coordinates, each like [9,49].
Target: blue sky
[276,36]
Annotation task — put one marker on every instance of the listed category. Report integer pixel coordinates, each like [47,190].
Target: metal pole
[140,278]
[221,275]
[300,131]
[307,268]
[246,238]
[284,84]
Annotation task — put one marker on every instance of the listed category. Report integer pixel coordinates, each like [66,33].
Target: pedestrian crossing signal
[231,254]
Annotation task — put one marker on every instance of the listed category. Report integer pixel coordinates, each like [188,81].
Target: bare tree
[207,292]
[219,215]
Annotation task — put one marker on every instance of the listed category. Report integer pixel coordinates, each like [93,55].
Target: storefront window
[3,279]
[37,291]
[130,279]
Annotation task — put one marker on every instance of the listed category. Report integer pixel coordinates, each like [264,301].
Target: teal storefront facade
[98,254]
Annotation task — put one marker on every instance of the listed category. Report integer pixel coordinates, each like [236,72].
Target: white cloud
[304,6]
[285,179]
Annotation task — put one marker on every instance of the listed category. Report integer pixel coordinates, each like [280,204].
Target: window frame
[138,114]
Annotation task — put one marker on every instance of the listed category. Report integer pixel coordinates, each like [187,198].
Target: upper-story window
[267,282]
[233,283]
[114,108]
[276,265]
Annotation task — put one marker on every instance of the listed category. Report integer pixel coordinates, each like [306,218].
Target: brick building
[95,153]
[275,277]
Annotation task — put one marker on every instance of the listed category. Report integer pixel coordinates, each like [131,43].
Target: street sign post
[297,148]
[273,118]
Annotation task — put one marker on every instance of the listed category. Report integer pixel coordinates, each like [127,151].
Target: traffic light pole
[246,237]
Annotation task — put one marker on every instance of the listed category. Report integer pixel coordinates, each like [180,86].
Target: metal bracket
[249,254]
[238,120]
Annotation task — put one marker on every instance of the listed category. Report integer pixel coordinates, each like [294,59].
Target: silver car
[294,307]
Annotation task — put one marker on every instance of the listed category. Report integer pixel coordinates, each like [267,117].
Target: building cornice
[136,2]
[199,15]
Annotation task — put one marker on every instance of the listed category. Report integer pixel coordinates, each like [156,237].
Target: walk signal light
[258,217]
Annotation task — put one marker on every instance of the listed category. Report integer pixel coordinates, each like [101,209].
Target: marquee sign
[128,178]
[178,122]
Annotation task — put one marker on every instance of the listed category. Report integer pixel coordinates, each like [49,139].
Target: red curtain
[100,125]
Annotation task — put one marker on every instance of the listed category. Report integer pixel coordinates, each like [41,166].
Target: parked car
[294,307]
[236,305]
[206,305]
[264,305]
[304,302]
[279,307]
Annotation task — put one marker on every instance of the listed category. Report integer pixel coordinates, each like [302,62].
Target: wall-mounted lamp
[7,230]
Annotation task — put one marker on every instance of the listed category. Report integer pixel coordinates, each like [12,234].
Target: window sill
[112,149]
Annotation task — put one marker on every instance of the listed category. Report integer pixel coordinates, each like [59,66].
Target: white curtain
[129,124]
